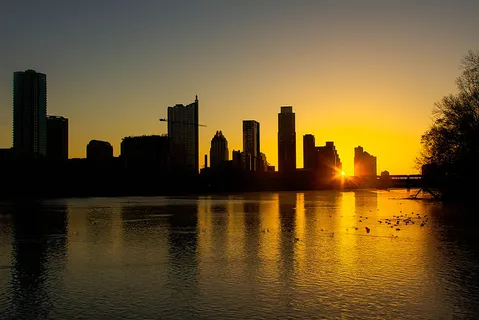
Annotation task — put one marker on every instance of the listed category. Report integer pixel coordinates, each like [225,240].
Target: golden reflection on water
[288,253]
[268,248]
[204,224]
[319,240]
[299,254]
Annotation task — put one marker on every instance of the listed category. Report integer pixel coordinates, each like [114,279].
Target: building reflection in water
[160,255]
[252,230]
[200,258]
[144,223]
[251,245]
[287,246]
[366,203]
[183,261]
[212,245]
[312,221]
[217,227]
[182,232]
[39,246]
[319,214]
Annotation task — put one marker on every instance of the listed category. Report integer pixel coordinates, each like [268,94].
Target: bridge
[389,181]
[400,181]
[404,176]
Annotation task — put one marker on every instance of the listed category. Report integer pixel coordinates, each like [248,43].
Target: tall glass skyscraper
[183,134]
[309,152]
[286,140]
[30,113]
[251,144]
[218,150]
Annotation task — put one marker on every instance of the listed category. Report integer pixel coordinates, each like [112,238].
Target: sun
[342,173]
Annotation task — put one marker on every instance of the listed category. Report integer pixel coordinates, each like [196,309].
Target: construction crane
[181,122]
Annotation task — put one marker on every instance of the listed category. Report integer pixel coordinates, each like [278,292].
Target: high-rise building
[365,165]
[262,162]
[183,133]
[328,163]
[251,144]
[338,166]
[30,113]
[286,140]
[358,153]
[309,152]
[236,159]
[57,138]
[97,150]
[218,150]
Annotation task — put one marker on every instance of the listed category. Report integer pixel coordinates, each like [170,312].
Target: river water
[287,255]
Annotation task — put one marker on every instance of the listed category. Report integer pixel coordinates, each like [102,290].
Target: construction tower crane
[181,122]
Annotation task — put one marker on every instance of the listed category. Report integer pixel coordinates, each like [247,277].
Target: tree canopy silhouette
[451,144]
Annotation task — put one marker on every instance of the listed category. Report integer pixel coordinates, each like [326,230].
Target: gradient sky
[356,72]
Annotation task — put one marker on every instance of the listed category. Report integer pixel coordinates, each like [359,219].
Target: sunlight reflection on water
[252,256]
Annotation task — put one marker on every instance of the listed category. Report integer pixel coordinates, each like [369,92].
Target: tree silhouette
[451,144]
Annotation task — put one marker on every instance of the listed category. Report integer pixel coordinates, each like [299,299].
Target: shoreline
[203,194]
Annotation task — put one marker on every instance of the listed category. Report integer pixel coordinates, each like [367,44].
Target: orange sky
[355,74]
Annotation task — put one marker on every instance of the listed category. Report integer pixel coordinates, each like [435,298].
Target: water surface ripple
[290,255]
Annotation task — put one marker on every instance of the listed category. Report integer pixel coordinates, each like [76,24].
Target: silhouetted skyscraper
[183,134]
[309,151]
[218,150]
[30,112]
[57,138]
[251,143]
[236,159]
[328,163]
[286,140]
[262,162]
[364,164]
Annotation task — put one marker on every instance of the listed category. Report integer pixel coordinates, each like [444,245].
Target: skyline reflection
[295,254]
[39,246]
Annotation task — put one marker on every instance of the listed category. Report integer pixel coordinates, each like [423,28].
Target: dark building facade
[218,150]
[338,165]
[183,133]
[30,113]
[236,159]
[309,151]
[328,163]
[262,162]
[286,140]
[251,144]
[57,138]
[365,165]
[146,152]
[97,150]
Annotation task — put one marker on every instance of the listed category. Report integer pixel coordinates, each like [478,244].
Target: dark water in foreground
[254,256]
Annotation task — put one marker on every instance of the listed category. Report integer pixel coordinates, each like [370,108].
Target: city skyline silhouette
[355,74]
[239,160]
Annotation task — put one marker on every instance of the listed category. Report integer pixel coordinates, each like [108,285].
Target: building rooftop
[57,117]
